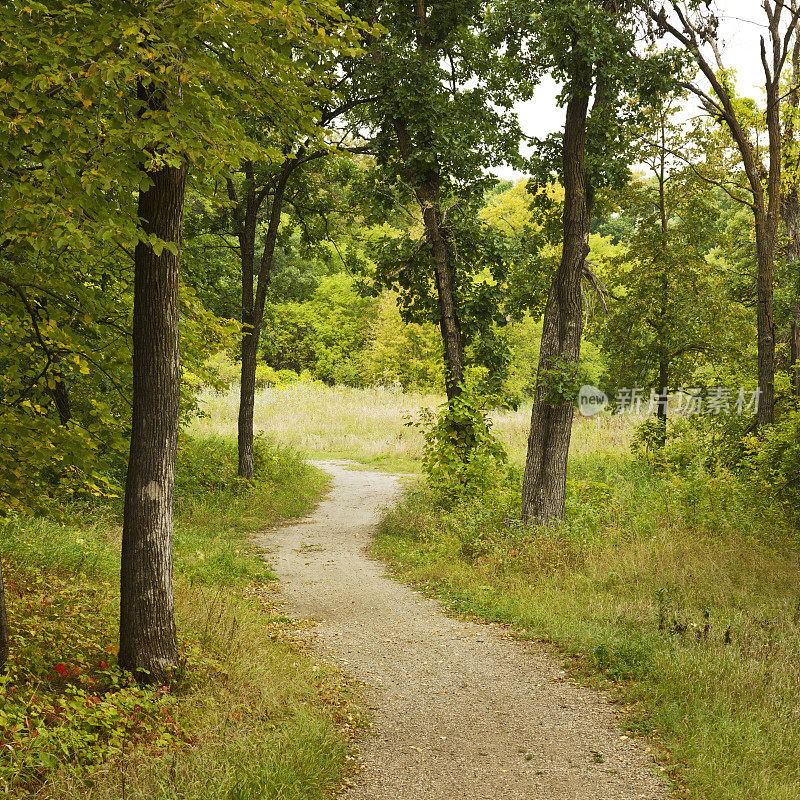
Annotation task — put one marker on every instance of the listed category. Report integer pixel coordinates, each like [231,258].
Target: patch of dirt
[460,710]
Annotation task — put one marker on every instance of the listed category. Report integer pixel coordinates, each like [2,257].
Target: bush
[775,461]
[210,463]
[327,334]
[460,456]
[649,438]
[62,703]
[406,353]
[711,442]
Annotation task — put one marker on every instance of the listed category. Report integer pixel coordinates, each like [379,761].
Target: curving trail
[461,710]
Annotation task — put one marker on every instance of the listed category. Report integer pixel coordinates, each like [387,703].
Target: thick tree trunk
[5,637]
[544,482]
[148,641]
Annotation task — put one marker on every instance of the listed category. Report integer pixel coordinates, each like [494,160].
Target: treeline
[288,179]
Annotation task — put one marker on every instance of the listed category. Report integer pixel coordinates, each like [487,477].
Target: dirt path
[460,709]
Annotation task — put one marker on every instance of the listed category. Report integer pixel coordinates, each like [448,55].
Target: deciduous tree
[695,29]
[588,45]
[441,118]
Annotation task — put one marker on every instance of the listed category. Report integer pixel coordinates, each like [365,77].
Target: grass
[368,425]
[254,714]
[682,591]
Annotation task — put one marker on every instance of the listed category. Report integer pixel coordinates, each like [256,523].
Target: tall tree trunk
[148,640]
[427,187]
[253,303]
[767,212]
[5,638]
[449,323]
[790,209]
[544,481]
[247,395]
[249,347]
[765,246]
[767,200]
[428,192]
[663,361]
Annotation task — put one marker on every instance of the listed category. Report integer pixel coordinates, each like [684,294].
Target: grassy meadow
[677,589]
[369,425]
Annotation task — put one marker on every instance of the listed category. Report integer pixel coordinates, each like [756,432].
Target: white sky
[741,24]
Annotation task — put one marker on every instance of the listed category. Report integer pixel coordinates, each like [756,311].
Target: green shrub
[649,438]
[712,441]
[327,334]
[406,353]
[461,456]
[62,703]
[775,460]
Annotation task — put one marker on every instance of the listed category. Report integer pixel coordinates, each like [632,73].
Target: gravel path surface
[460,710]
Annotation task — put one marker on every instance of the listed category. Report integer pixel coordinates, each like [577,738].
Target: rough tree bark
[5,638]
[148,641]
[544,481]
[246,215]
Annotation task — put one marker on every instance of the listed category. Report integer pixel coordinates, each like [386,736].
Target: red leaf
[62,670]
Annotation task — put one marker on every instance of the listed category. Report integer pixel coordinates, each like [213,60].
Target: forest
[243,241]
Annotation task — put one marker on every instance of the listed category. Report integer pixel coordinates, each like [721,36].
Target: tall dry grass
[323,421]
[369,425]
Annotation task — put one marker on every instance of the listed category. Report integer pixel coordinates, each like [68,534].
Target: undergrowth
[249,715]
[679,589]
